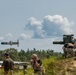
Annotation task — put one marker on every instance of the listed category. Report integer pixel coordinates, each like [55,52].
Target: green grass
[53,66]
[29,71]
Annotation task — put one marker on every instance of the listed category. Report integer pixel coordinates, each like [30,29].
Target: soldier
[37,65]
[68,49]
[8,64]
[65,49]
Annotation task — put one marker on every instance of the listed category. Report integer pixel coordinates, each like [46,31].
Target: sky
[36,23]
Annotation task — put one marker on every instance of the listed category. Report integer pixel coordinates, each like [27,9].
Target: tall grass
[28,71]
[50,66]
[53,66]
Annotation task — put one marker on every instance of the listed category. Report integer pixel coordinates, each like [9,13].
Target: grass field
[28,71]
[53,66]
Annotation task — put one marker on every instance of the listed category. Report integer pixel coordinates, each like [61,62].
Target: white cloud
[56,25]
[24,36]
[35,26]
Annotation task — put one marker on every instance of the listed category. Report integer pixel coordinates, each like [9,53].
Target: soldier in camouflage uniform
[8,64]
[68,50]
[37,65]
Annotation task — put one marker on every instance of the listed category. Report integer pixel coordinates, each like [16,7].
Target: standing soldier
[8,64]
[37,65]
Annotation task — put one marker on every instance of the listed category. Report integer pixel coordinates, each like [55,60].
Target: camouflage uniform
[38,70]
[8,66]
[68,50]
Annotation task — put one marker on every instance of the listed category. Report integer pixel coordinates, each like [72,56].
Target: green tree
[13,53]
[22,55]
[1,54]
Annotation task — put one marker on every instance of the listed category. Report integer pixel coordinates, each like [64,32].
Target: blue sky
[36,23]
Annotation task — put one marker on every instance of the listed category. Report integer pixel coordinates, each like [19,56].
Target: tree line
[25,55]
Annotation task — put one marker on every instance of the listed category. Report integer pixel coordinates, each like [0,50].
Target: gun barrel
[58,42]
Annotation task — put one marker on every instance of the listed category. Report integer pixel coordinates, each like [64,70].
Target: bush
[50,66]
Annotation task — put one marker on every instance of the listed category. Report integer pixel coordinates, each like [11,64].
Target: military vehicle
[68,45]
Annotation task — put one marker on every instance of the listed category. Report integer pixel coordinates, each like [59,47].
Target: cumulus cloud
[35,26]
[56,25]
[24,36]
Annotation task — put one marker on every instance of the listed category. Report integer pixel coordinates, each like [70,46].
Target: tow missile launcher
[66,40]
